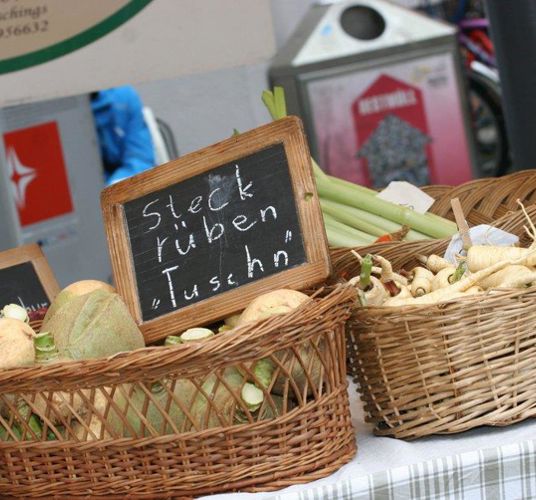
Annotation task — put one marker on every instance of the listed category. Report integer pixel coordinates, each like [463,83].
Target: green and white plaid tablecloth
[507,472]
[485,464]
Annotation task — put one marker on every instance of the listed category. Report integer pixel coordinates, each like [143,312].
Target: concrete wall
[204,108]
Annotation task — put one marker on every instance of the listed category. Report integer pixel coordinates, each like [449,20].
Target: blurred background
[387,90]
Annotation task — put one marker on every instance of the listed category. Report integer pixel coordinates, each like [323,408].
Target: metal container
[381,93]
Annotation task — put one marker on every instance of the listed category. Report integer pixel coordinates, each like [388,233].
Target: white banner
[54,48]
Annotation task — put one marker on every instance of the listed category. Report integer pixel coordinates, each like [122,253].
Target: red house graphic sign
[37,173]
[392,133]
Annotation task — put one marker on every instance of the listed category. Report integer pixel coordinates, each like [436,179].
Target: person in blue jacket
[125,141]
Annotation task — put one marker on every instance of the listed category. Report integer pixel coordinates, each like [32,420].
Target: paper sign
[408,195]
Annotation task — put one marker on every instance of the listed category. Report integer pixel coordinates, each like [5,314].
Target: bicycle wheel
[488,126]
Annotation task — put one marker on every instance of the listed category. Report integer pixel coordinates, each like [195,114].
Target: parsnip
[482,256]
[520,281]
[404,293]
[422,281]
[387,272]
[454,290]
[503,278]
[434,262]
[375,295]
[443,278]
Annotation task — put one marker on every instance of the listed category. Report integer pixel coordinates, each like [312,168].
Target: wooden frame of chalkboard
[257,188]
[15,261]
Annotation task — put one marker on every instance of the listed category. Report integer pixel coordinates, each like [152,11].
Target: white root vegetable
[422,281]
[232,321]
[453,291]
[252,396]
[405,293]
[482,256]
[196,334]
[14,311]
[374,296]
[272,303]
[434,262]
[16,341]
[387,273]
[385,270]
[443,278]
[504,278]
[520,282]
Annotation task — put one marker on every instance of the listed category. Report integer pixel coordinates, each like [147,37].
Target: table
[498,463]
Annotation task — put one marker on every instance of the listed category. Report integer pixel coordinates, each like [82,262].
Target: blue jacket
[125,141]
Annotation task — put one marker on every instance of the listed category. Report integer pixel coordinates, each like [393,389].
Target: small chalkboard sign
[26,278]
[196,239]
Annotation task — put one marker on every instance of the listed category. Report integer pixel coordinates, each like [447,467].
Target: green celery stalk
[371,203]
[362,235]
[365,221]
[366,190]
[337,238]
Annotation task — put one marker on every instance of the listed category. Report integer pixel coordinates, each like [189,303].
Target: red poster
[393,139]
[37,172]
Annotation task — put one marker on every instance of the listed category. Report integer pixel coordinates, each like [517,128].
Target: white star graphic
[20,176]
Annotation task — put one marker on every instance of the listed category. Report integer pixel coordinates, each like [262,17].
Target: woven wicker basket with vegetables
[259,402]
[443,351]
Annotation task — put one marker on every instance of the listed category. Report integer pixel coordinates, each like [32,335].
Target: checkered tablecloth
[486,463]
[506,472]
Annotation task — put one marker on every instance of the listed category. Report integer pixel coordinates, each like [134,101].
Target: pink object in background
[394,122]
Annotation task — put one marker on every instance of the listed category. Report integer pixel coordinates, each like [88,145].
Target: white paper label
[408,195]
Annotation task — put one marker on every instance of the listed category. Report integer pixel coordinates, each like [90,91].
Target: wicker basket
[485,200]
[444,368]
[186,446]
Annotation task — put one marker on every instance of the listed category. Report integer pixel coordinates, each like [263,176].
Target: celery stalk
[366,190]
[351,231]
[365,221]
[371,203]
[337,238]
[341,238]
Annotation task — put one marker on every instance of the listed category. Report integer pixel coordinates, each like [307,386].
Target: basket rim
[250,341]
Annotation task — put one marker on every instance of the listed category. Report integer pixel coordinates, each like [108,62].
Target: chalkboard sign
[26,279]
[196,239]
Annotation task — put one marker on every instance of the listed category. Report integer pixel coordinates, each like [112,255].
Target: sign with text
[196,239]
[72,47]
[26,279]
[34,31]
